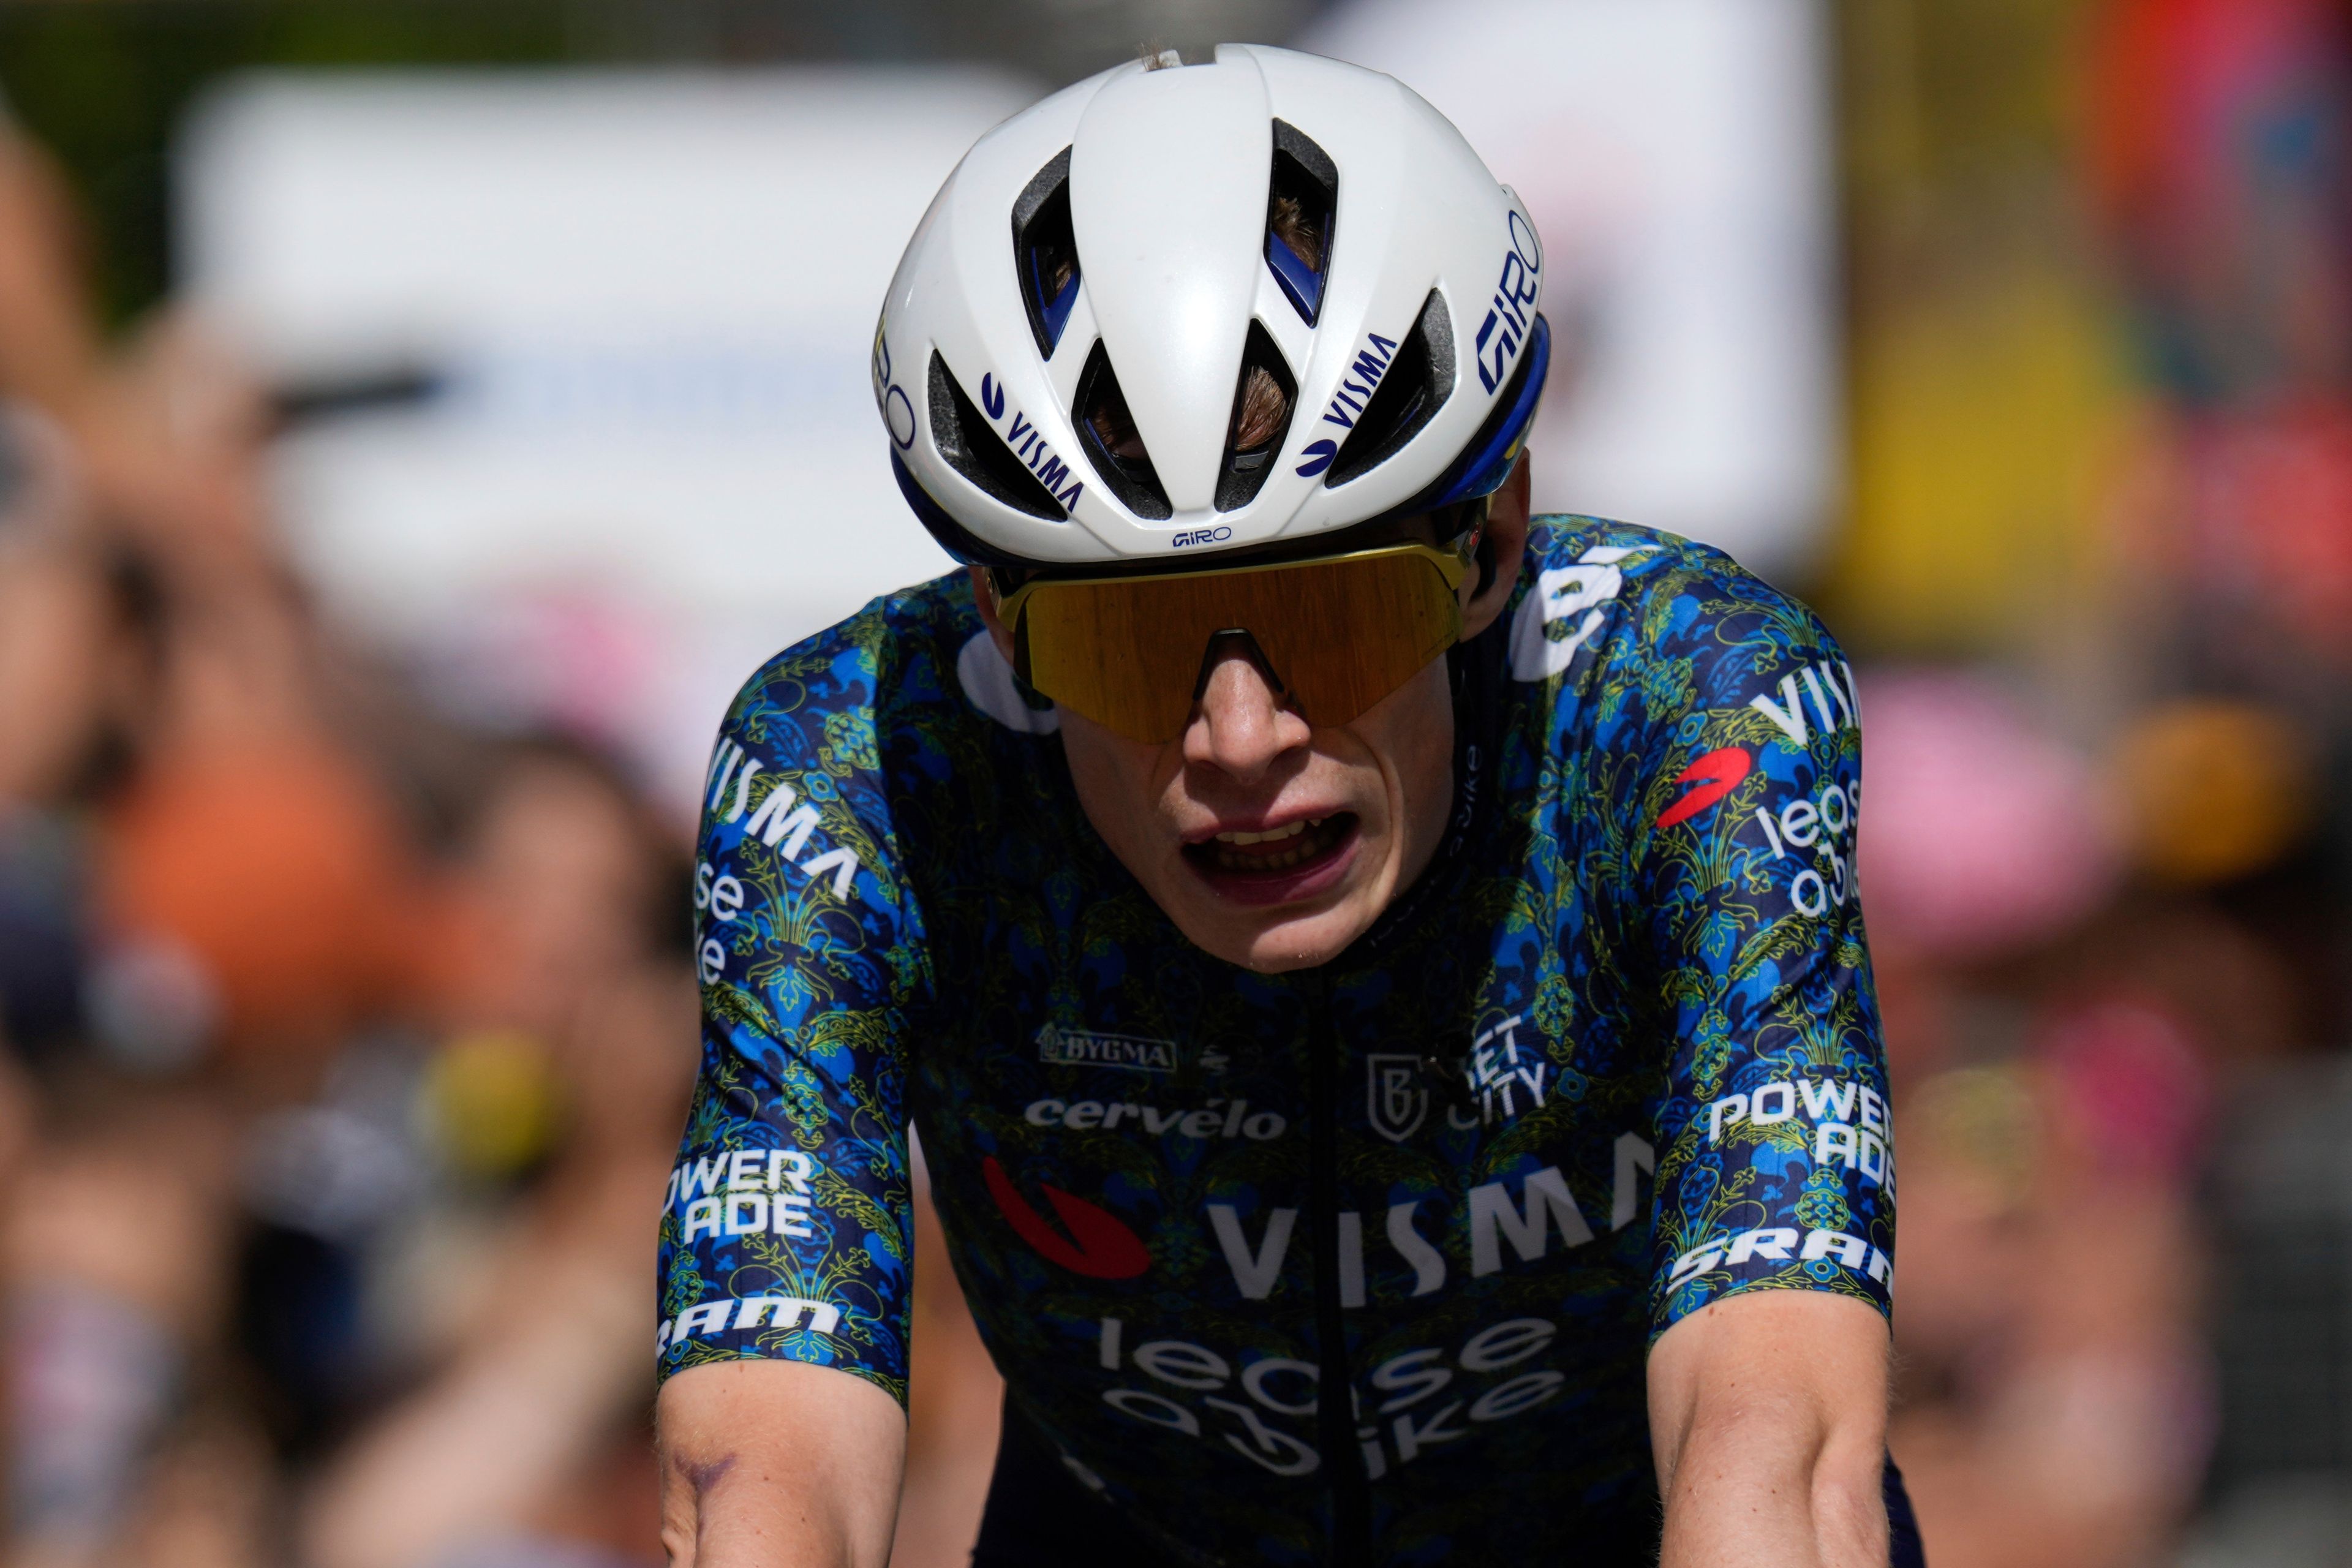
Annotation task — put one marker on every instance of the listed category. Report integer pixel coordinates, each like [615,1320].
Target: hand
[169,443]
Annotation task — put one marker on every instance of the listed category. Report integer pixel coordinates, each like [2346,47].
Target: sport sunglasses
[1335,633]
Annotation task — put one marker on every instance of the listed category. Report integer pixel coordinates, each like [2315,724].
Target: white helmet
[1064,354]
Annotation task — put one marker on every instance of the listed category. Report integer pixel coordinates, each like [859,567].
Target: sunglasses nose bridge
[1227,643]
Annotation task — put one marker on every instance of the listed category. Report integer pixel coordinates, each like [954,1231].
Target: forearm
[1772,1489]
[475,1450]
[724,1509]
[49,352]
[778,1464]
[1768,1419]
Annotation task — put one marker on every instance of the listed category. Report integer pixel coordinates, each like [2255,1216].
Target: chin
[1276,945]
[1300,944]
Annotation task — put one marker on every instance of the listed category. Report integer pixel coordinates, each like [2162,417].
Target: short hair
[1290,224]
[1259,415]
[1260,412]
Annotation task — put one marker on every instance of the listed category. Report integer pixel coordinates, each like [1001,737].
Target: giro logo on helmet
[1185,536]
[1515,292]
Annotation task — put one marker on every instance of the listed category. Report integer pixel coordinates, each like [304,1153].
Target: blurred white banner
[643,304]
[1676,155]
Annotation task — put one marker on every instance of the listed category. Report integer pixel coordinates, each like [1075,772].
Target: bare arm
[49,350]
[488,1438]
[777,1464]
[1768,1419]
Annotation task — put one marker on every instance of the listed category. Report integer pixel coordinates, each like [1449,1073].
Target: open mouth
[1280,854]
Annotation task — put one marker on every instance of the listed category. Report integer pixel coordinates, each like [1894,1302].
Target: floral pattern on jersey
[1616,1057]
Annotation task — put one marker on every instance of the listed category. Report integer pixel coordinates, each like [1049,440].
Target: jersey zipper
[1352,1501]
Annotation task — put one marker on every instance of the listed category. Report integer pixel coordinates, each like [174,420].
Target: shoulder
[799,816]
[902,715]
[893,649]
[1611,603]
[913,672]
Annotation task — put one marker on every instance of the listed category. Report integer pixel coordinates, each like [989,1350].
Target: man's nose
[1241,724]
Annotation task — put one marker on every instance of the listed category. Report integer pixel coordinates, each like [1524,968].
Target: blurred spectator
[156,449]
[2219,790]
[2064,1014]
[322,1123]
[528,1445]
[2220,159]
[2058,1411]
[1983,834]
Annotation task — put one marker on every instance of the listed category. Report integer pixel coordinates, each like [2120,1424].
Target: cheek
[1412,729]
[1118,781]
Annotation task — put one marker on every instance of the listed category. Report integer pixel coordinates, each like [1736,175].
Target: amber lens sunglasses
[1335,633]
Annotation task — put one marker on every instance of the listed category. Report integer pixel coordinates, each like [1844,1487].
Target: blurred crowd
[345,1047]
[345,1050]
[343,1044]
[2106,883]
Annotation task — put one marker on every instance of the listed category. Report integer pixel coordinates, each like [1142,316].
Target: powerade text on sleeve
[1774,1158]
[787,1226]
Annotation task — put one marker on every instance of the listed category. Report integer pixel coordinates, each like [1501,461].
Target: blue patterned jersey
[1615,1056]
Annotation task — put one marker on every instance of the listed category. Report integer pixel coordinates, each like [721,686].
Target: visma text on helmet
[1029,445]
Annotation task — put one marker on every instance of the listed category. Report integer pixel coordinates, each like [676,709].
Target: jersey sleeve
[787,1230]
[1775,1162]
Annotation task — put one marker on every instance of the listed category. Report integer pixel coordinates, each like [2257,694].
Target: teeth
[1274,859]
[1270,835]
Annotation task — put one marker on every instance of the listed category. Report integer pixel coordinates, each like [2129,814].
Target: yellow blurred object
[2218,789]
[1990,384]
[1984,417]
[492,1100]
[1985,1117]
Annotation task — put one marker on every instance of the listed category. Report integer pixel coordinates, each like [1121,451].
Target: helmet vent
[1407,392]
[1264,400]
[1302,199]
[973,448]
[1045,252]
[1107,430]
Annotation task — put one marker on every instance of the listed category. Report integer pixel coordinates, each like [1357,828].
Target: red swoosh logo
[1099,1246]
[1717,774]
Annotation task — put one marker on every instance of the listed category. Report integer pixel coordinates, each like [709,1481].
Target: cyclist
[1377,976]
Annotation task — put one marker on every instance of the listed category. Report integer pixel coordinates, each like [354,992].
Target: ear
[985,602]
[1499,553]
